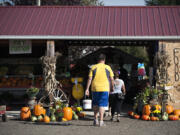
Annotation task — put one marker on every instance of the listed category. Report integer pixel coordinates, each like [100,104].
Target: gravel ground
[126,126]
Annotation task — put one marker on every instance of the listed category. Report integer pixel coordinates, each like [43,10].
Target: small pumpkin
[145,117]
[131,113]
[136,116]
[146,110]
[25,113]
[173,117]
[177,112]
[169,109]
[67,113]
[154,118]
[81,115]
[46,119]
[38,110]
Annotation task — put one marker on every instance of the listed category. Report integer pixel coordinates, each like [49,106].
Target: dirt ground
[126,126]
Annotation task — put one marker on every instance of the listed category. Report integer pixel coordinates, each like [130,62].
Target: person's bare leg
[101,113]
[96,110]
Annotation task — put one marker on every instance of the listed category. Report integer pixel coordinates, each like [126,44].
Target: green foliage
[59,2]
[146,95]
[32,92]
[162,2]
[137,51]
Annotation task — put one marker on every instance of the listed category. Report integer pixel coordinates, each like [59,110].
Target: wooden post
[51,54]
[50,48]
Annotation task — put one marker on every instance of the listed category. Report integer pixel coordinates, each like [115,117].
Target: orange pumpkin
[177,112]
[67,113]
[173,117]
[146,110]
[145,117]
[38,110]
[81,115]
[131,113]
[46,119]
[136,116]
[25,113]
[169,109]
[154,118]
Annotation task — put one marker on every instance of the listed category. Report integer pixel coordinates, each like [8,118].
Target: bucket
[106,108]
[87,104]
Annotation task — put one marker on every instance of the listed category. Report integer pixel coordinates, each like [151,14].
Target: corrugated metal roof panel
[89,21]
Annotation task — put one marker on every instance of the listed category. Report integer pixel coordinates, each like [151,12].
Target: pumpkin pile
[154,113]
[56,113]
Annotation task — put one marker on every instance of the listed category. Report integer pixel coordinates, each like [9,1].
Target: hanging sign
[20,46]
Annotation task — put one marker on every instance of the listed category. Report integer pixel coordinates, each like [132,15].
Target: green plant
[32,92]
[145,96]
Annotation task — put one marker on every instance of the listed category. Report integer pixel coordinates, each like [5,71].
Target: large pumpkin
[169,109]
[67,113]
[173,117]
[177,112]
[38,110]
[25,113]
[146,110]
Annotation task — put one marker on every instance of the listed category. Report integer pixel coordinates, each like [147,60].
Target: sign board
[20,46]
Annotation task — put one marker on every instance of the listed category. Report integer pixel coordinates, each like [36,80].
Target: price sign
[20,46]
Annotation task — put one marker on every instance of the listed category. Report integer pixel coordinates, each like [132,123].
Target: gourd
[173,117]
[25,113]
[40,118]
[146,110]
[145,117]
[169,109]
[33,118]
[165,116]
[158,107]
[67,113]
[53,118]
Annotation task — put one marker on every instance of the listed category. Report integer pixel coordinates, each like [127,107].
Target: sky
[123,2]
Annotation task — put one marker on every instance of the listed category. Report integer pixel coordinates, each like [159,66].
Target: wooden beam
[50,48]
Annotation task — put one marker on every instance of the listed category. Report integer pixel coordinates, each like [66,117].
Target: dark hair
[116,74]
[101,57]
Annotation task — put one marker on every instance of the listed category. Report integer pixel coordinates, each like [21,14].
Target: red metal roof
[64,21]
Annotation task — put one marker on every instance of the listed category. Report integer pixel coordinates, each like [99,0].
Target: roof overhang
[50,37]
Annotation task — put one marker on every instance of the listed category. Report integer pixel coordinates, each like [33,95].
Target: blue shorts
[100,99]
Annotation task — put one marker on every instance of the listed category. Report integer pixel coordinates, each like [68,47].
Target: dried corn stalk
[49,72]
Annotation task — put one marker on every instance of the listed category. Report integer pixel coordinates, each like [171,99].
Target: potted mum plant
[32,92]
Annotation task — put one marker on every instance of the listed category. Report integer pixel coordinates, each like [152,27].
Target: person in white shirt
[117,96]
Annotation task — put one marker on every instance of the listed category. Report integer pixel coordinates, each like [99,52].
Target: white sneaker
[96,123]
[102,124]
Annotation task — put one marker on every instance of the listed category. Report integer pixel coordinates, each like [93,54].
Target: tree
[162,2]
[59,2]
